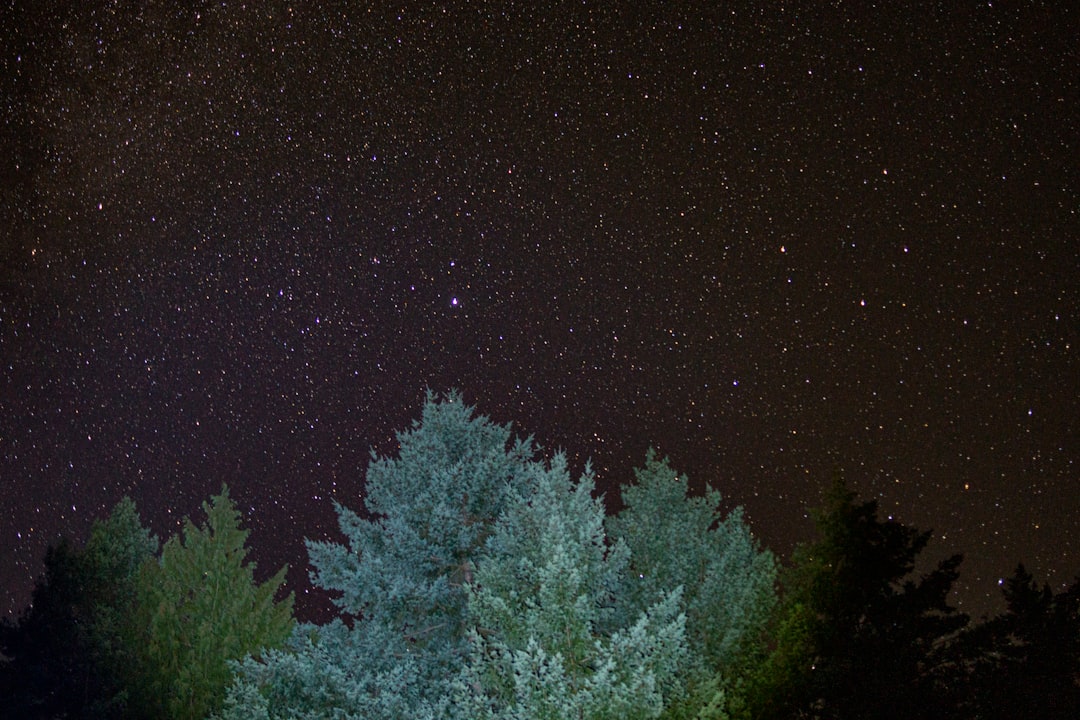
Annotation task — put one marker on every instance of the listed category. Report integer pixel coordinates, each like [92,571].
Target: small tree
[197,608]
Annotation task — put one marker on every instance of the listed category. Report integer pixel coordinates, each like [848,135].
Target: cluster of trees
[480,580]
[855,636]
[126,628]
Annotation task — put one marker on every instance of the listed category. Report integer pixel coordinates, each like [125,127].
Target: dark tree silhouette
[46,664]
[1026,662]
[64,654]
[855,637]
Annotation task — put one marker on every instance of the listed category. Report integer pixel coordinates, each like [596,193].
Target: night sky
[241,240]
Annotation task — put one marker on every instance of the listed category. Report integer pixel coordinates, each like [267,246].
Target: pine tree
[727,580]
[548,642]
[197,608]
[117,548]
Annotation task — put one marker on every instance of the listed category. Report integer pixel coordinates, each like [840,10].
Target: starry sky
[240,240]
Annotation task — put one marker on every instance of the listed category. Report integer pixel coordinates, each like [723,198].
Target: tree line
[478,579]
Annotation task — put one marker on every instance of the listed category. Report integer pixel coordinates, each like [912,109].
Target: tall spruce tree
[400,578]
[727,580]
[197,608]
[548,641]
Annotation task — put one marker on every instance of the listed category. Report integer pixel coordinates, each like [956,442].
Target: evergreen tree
[197,608]
[116,550]
[727,580]
[855,637]
[479,583]
[400,578]
[1027,660]
[548,642]
[47,667]
[67,652]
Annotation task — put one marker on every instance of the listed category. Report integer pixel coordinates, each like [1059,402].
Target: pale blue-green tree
[547,639]
[727,580]
[477,581]
[400,578]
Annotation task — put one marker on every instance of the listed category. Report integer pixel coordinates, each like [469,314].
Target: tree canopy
[477,578]
[549,641]
[1027,660]
[400,577]
[482,582]
[67,654]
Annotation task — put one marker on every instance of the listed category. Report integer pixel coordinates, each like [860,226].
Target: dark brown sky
[240,240]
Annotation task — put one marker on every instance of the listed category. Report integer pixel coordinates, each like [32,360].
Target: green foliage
[852,629]
[431,508]
[680,541]
[327,672]
[479,583]
[547,641]
[116,550]
[197,608]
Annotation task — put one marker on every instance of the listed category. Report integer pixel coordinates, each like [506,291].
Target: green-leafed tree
[400,578]
[855,636]
[197,608]
[548,638]
[727,580]
[68,658]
